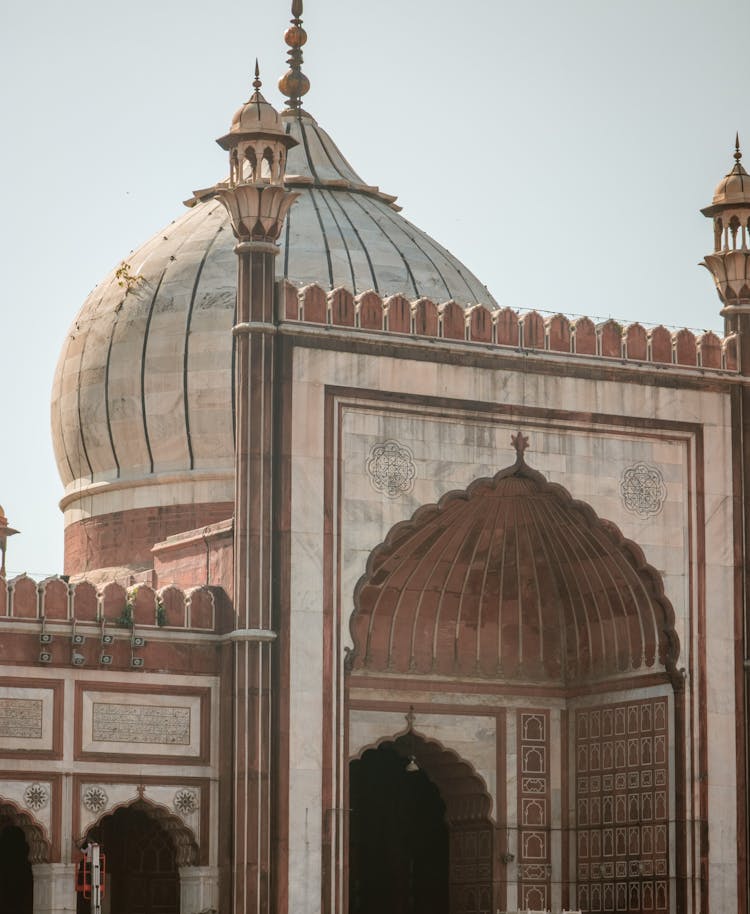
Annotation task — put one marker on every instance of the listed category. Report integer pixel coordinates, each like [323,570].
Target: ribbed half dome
[142,393]
[511,579]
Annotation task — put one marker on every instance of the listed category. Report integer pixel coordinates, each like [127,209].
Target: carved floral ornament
[185,801]
[391,469]
[643,489]
[95,799]
[36,796]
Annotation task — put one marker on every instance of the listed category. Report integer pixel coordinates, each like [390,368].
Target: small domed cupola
[256,199]
[257,142]
[730,262]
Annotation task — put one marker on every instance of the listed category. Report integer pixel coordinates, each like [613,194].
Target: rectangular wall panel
[533,811]
[622,807]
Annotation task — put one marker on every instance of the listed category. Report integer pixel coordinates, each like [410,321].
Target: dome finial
[256,82]
[737,153]
[294,84]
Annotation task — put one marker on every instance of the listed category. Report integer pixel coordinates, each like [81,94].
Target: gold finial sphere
[294,84]
[295,36]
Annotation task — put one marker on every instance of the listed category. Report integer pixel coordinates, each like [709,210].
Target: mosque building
[379,597]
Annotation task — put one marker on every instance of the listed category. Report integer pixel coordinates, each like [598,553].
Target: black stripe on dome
[453,260]
[343,241]
[186,350]
[400,223]
[143,369]
[325,237]
[396,248]
[78,403]
[306,146]
[328,154]
[63,360]
[106,400]
[362,245]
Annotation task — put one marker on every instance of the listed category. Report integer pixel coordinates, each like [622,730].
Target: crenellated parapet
[110,605]
[504,327]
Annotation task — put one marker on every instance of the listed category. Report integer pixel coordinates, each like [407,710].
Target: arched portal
[22,843]
[143,852]
[421,838]
[16,881]
[515,599]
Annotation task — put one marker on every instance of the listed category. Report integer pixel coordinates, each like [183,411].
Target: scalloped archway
[421,837]
[38,843]
[22,843]
[145,845]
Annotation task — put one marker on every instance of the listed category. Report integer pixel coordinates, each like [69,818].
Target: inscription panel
[122,723]
[26,717]
[141,724]
[21,718]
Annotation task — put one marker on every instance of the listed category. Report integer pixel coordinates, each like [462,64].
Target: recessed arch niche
[511,579]
[513,590]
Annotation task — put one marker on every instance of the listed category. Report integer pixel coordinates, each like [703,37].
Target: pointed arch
[513,579]
[35,834]
[181,836]
[463,789]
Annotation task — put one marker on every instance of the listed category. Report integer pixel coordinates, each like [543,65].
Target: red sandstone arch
[182,837]
[511,579]
[33,832]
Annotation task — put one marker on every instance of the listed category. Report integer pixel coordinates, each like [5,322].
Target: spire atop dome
[256,82]
[294,84]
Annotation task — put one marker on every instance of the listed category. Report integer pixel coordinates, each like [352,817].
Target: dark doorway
[16,880]
[398,848]
[140,861]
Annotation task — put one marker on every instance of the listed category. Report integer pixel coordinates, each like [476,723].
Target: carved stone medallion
[95,799]
[36,796]
[185,801]
[643,490]
[391,468]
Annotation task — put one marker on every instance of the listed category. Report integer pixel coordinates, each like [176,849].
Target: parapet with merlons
[506,328]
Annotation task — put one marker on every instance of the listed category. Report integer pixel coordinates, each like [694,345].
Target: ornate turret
[257,144]
[730,261]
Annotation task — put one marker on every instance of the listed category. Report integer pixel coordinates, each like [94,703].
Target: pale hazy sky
[560,148]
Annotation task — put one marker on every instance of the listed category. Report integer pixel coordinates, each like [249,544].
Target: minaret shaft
[257,203]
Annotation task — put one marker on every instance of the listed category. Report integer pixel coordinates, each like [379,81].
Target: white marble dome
[141,402]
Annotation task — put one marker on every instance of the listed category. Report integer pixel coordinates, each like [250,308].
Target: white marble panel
[141,724]
[26,718]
